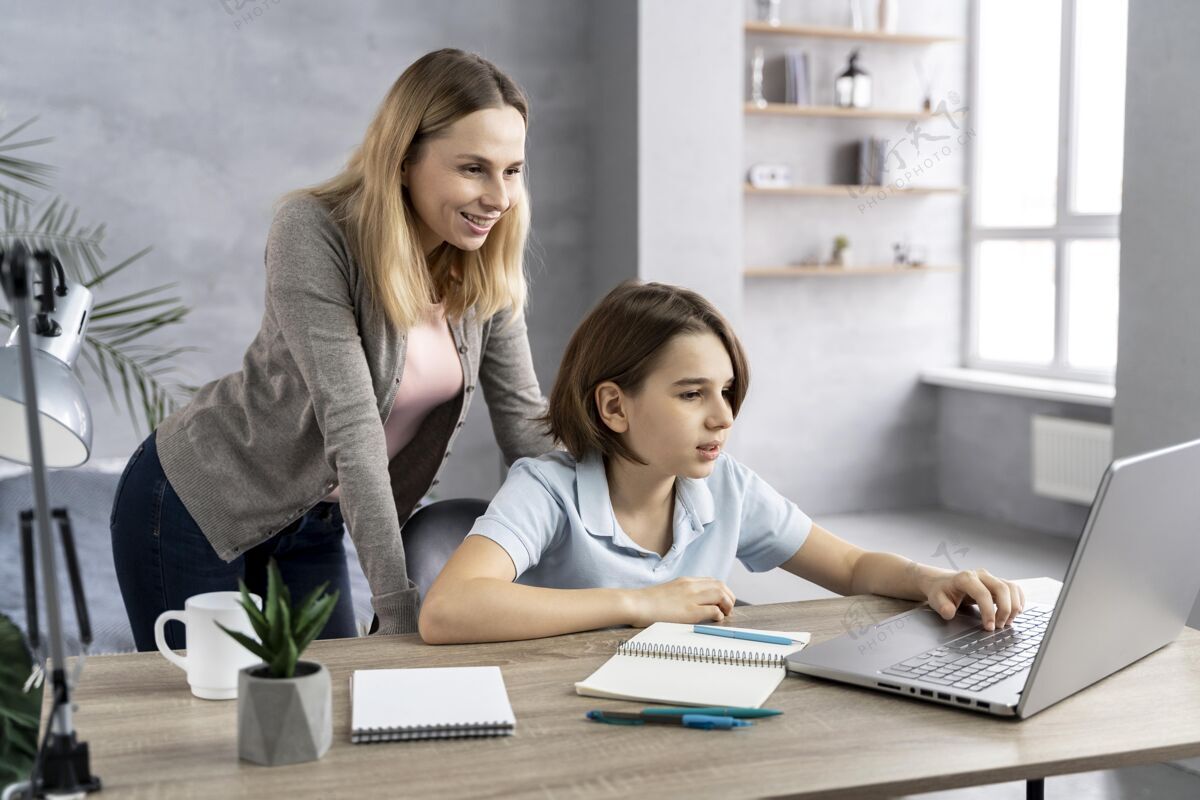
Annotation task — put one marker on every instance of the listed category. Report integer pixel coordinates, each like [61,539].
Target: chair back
[433,533]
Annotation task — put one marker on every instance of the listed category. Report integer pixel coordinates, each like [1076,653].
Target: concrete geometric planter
[284,720]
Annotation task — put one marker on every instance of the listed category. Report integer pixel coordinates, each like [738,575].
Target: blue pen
[700,721]
[751,637]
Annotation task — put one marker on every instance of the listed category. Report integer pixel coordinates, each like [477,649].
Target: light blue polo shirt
[554,518]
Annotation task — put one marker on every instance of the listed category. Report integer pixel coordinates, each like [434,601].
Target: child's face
[679,419]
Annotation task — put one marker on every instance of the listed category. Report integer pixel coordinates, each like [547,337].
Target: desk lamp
[37,361]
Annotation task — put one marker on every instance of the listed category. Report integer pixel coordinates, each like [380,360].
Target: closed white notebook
[431,703]
[670,663]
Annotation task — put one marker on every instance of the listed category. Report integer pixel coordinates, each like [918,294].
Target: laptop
[1128,591]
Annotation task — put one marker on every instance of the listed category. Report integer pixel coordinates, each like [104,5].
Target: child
[640,519]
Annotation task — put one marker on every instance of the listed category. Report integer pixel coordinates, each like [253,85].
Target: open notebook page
[687,682]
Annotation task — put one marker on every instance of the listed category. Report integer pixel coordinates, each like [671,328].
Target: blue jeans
[162,557]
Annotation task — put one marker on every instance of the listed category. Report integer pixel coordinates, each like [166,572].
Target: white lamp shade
[66,419]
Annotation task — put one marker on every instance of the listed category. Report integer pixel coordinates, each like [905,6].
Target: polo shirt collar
[595,503]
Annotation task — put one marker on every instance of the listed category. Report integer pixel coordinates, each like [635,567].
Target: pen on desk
[701,721]
[750,637]
[737,713]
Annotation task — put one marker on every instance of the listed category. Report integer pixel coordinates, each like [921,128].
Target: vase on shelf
[842,254]
[756,79]
[888,16]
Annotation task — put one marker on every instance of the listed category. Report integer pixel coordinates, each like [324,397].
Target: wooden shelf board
[844,190]
[839,272]
[826,32]
[793,110]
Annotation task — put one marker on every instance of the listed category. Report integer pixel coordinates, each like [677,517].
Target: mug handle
[161,641]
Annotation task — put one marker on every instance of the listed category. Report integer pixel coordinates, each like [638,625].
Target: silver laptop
[1128,591]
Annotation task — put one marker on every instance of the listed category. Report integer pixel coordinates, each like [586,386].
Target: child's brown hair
[621,341]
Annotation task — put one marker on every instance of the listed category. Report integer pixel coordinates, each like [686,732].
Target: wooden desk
[150,738]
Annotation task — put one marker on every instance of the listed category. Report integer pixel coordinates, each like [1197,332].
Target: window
[1044,247]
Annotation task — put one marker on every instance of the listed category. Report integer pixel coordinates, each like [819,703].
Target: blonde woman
[395,291]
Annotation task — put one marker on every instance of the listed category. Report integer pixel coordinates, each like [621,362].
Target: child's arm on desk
[474,599]
[843,568]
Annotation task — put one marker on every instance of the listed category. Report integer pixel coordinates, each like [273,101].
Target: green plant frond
[4,148]
[108,305]
[113,270]
[18,129]
[133,372]
[21,170]
[135,310]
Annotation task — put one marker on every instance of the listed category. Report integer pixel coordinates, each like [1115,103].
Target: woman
[393,290]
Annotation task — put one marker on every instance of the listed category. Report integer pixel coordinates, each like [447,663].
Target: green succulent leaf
[308,609]
[326,606]
[285,629]
[257,620]
[272,607]
[248,643]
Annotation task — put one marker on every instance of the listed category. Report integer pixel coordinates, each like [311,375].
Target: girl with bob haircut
[641,518]
[393,291]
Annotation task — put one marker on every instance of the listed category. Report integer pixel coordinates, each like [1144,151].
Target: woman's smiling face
[463,181]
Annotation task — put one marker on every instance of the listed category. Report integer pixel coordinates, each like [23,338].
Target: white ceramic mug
[213,657]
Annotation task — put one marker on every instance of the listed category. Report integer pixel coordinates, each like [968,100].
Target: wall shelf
[846,190]
[840,272]
[793,110]
[825,32]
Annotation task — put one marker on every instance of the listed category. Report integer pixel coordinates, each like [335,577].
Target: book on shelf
[797,78]
[872,161]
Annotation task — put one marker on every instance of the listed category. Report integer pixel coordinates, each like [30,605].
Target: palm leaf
[19,711]
[113,348]
[21,170]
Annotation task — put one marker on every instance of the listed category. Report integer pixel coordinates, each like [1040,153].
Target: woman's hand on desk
[998,600]
[689,600]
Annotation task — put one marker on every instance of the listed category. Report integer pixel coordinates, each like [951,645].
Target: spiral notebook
[390,705]
[669,663]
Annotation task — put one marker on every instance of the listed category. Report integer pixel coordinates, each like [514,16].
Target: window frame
[1069,225]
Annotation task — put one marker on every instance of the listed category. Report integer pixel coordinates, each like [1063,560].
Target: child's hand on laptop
[998,600]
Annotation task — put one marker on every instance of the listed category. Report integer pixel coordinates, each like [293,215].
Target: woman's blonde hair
[369,202]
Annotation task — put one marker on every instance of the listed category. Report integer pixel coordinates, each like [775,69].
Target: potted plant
[841,251]
[285,705]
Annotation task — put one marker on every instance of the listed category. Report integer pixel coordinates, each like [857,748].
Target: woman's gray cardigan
[256,449]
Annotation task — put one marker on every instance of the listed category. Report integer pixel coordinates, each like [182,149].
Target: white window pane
[1017,119]
[1099,106]
[1093,269]
[1016,301]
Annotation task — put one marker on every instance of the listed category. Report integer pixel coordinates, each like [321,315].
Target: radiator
[1069,458]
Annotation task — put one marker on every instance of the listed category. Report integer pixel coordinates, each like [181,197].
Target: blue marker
[750,637]
[701,721]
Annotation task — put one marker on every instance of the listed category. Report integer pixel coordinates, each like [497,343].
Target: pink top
[432,374]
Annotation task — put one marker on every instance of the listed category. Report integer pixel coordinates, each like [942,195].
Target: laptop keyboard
[979,658]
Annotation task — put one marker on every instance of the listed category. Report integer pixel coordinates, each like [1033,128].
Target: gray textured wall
[1158,372]
[180,124]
